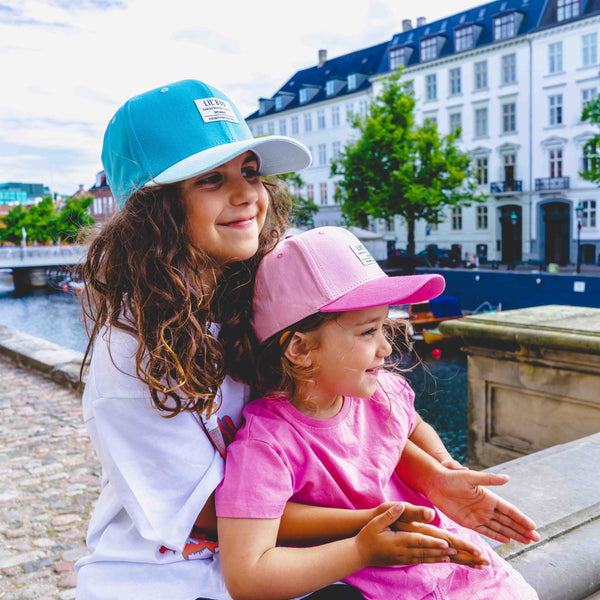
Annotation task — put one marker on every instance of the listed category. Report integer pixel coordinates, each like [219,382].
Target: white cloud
[69,64]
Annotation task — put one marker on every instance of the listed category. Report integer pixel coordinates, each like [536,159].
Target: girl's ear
[297,350]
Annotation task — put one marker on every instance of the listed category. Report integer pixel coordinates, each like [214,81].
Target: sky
[67,65]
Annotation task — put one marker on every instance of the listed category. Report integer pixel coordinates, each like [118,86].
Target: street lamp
[579,213]
[514,218]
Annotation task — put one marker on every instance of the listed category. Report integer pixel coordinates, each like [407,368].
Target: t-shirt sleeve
[257,482]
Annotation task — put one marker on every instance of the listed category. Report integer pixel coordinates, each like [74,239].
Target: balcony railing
[506,187]
[550,184]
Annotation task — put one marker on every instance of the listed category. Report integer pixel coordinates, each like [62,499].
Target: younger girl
[332,431]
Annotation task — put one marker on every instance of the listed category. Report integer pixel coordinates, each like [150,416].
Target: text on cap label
[215,109]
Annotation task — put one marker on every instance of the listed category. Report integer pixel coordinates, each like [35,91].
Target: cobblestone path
[49,482]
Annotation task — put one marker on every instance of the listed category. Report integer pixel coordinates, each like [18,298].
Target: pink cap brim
[405,289]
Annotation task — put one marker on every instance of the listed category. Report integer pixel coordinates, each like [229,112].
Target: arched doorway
[511,222]
[555,216]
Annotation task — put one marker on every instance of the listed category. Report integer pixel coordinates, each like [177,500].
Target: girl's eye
[250,172]
[369,332]
[212,179]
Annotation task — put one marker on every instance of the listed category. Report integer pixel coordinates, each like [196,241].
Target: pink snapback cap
[327,269]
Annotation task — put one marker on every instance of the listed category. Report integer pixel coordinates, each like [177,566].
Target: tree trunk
[410,225]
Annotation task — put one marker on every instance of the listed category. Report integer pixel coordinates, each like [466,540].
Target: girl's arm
[460,495]
[254,568]
[426,437]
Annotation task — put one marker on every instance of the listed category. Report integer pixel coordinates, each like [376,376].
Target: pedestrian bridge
[31,257]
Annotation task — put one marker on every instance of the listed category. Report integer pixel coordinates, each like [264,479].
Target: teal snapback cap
[182,130]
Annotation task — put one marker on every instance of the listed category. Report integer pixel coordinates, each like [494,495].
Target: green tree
[303,209]
[73,218]
[13,221]
[591,171]
[396,167]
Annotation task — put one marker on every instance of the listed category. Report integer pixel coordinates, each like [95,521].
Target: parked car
[433,256]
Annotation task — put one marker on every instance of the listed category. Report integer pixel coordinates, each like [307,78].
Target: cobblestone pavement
[49,481]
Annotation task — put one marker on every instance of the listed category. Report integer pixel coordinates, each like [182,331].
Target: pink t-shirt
[349,461]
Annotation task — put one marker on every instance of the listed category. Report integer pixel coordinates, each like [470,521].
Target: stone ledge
[56,362]
[559,490]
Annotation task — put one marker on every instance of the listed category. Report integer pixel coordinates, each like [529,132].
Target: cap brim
[277,154]
[405,289]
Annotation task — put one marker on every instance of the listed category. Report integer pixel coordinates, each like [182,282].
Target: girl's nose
[385,348]
[242,192]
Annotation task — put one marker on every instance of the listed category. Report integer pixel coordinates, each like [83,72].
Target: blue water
[440,385]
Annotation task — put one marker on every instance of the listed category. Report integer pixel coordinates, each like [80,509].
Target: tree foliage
[396,167]
[43,223]
[591,172]
[303,209]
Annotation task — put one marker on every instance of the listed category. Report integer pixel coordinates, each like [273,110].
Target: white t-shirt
[157,474]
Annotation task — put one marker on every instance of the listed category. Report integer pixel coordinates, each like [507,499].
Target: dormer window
[355,80]
[303,96]
[307,93]
[282,100]
[507,25]
[429,49]
[400,56]
[333,86]
[567,9]
[265,105]
[352,82]
[465,37]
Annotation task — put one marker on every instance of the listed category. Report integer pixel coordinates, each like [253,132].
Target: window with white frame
[397,58]
[481,122]
[362,107]
[321,119]
[323,193]
[303,96]
[310,191]
[278,103]
[481,220]
[589,47]
[588,219]
[481,170]
[431,87]
[455,122]
[589,157]
[454,80]
[271,127]
[588,95]
[330,88]
[509,117]
[322,154]
[555,156]
[295,126]
[349,111]
[504,27]
[464,38]
[429,49]
[260,130]
[335,116]
[555,57]
[480,72]
[567,9]
[556,109]
[282,127]
[456,220]
[509,69]
[336,148]
[307,122]
[509,161]
[352,81]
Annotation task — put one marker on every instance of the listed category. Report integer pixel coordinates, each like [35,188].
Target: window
[481,122]
[431,87]
[397,58]
[335,149]
[278,103]
[589,46]
[335,116]
[321,119]
[481,221]
[271,127]
[307,122]
[456,223]
[282,127]
[260,130]
[455,122]
[349,111]
[555,155]
[295,127]
[464,38]
[509,69]
[556,109]
[322,154]
[352,82]
[589,159]
[362,108]
[303,96]
[504,27]
[323,189]
[555,57]
[330,88]
[428,49]
[567,9]
[588,218]
[481,75]
[509,161]
[455,81]
[310,191]
[509,118]
[588,95]
[481,170]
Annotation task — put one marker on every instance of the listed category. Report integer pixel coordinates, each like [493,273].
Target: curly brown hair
[143,275]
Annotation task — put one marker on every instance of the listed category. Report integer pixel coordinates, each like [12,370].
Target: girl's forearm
[419,469]
[426,437]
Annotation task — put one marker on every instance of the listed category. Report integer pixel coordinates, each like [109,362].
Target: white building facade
[513,75]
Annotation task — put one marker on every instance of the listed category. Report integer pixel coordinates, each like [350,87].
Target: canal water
[440,384]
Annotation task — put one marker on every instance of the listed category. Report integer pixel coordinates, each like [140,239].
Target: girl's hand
[378,545]
[460,495]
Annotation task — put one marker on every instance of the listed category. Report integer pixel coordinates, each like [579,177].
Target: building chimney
[421,21]
[406,24]
[322,58]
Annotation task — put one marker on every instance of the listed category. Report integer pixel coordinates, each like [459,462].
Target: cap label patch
[215,109]
[362,254]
